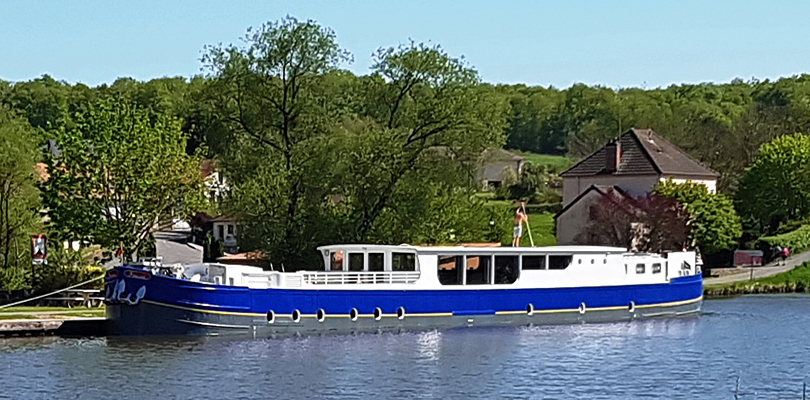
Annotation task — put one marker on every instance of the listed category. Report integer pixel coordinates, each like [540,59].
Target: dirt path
[761,272]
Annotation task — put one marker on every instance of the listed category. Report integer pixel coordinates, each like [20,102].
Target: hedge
[797,241]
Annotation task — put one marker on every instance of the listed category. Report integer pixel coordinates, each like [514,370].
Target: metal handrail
[360,277]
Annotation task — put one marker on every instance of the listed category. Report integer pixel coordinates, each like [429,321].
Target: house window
[221,232]
[656,268]
[639,268]
[450,270]
[230,229]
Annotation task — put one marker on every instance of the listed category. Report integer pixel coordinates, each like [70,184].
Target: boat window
[656,268]
[450,271]
[336,261]
[559,262]
[639,268]
[534,262]
[478,270]
[403,262]
[355,261]
[376,261]
[506,269]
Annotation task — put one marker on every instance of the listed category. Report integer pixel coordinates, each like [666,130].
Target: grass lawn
[34,312]
[542,228]
[555,163]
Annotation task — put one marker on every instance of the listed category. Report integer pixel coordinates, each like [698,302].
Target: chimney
[613,155]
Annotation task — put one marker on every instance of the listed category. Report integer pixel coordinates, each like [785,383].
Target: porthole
[377,313]
[401,313]
[271,316]
[582,308]
[296,316]
[530,309]
[632,306]
[592,261]
[321,315]
[353,314]
[579,261]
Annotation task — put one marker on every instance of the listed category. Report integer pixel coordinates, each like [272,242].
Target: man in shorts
[520,218]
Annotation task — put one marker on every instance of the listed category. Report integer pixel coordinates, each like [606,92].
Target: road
[761,272]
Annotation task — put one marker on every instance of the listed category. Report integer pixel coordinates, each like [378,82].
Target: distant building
[630,165]
[495,164]
[213,179]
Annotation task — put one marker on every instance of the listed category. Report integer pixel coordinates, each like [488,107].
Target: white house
[630,165]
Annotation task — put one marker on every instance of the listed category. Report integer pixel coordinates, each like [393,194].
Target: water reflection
[760,339]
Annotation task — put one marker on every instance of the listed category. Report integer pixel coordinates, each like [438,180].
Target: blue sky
[613,43]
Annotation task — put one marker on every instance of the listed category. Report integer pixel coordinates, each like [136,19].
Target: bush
[797,241]
[48,278]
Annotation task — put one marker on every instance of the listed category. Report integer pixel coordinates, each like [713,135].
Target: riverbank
[62,321]
[796,280]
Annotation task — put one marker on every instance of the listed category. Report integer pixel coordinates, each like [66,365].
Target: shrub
[797,241]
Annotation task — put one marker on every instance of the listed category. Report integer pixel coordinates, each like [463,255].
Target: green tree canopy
[117,173]
[776,187]
[19,197]
[713,223]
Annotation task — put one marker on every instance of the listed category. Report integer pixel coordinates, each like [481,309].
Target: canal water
[762,340]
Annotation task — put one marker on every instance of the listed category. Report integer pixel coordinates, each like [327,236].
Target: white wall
[710,184]
[634,185]
[575,219]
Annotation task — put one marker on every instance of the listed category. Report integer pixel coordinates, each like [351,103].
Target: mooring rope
[48,294]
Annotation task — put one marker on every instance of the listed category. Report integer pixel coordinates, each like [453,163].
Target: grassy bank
[796,280]
[554,164]
[27,312]
[542,227]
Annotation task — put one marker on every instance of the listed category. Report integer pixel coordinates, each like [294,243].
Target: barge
[385,288]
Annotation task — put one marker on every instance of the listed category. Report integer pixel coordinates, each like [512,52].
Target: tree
[19,197]
[118,172]
[776,187]
[646,224]
[713,223]
[271,98]
[425,123]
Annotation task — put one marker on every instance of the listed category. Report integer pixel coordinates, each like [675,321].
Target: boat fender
[582,308]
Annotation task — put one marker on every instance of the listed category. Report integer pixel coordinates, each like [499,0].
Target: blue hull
[164,305]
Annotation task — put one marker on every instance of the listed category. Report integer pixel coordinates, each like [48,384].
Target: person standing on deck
[520,218]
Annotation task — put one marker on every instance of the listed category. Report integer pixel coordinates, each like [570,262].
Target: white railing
[351,278]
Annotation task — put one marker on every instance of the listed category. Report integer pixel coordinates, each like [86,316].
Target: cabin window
[506,269]
[336,261]
[403,262]
[355,261]
[656,268]
[478,270]
[376,261]
[534,262]
[639,268]
[559,262]
[450,270]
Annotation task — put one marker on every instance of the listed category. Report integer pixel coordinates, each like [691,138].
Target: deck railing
[352,278]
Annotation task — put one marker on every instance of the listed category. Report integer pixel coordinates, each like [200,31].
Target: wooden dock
[71,327]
